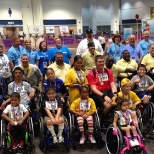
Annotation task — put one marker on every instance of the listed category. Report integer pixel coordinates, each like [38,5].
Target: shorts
[141,94]
[99,100]
[48,118]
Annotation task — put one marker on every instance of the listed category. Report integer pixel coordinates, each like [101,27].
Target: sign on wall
[127,32]
[1,30]
[35,29]
[148,25]
[50,29]
[64,29]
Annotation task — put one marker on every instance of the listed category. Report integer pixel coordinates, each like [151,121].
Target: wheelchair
[145,113]
[6,141]
[46,140]
[118,144]
[75,133]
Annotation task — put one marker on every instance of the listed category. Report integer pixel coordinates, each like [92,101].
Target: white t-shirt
[15,113]
[101,39]
[5,70]
[83,46]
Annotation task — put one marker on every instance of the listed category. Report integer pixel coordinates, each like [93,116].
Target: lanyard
[15,87]
[79,77]
[59,50]
[44,54]
[100,76]
[53,85]
[18,113]
[126,116]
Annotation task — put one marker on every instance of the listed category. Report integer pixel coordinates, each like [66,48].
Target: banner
[127,32]
[64,29]
[50,30]
[148,24]
[36,29]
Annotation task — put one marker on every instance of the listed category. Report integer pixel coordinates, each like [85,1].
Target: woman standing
[75,77]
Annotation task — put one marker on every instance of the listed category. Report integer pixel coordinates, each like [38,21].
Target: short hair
[15,38]
[51,88]
[18,69]
[116,36]
[99,57]
[119,102]
[150,45]
[1,46]
[51,69]
[15,94]
[56,39]
[41,44]
[24,55]
[141,65]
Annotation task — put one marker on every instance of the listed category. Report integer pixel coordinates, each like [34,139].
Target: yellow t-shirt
[89,60]
[71,79]
[75,106]
[133,97]
[125,64]
[148,60]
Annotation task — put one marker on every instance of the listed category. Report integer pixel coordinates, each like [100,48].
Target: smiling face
[16,43]
[126,55]
[84,93]
[15,101]
[126,88]
[25,61]
[132,40]
[51,94]
[58,42]
[146,35]
[141,71]
[50,75]
[28,44]
[152,50]
[78,64]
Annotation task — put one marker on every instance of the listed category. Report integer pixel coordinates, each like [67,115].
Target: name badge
[44,64]
[84,106]
[103,77]
[51,105]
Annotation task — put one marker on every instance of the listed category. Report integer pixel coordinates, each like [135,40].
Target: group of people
[91,80]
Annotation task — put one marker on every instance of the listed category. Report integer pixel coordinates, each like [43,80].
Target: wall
[63,9]
[15,6]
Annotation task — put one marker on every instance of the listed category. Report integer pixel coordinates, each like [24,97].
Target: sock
[52,131]
[60,129]
[135,136]
[129,137]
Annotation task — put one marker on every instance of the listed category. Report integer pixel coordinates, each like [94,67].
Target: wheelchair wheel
[113,142]
[147,118]
[31,129]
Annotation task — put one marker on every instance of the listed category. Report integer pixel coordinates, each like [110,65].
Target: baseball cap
[91,44]
[125,81]
[89,31]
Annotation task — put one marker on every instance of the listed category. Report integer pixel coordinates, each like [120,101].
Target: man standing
[82,47]
[89,57]
[61,48]
[146,42]
[15,53]
[135,50]
[60,68]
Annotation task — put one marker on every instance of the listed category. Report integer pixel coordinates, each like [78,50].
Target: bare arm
[139,62]
[49,113]
[113,87]
[71,60]
[5,103]
[6,117]
[58,112]
[11,64]
[94,89]
[37,62]
[25,116]
[115,120]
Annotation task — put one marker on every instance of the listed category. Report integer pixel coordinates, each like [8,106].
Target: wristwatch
[15,123]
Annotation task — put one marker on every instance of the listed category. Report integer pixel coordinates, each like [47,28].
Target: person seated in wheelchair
[84,108]
[23,88]
[126,120]
[55,82]
[52,113]
[126,92]
[142,84]
[16,115]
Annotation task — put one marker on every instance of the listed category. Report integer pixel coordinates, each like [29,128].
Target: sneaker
[91,138]
[136,142]
[60,139]
[14,145]
[132,144]
[21,144]
[55,139]
[82,140]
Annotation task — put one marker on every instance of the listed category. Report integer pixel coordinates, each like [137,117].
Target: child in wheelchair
[142,84]
[126,120]
[84,108]
[16,114]
[52,113]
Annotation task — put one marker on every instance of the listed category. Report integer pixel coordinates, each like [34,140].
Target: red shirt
[96,81]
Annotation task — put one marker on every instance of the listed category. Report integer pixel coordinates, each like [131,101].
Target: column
[37,12]
[114,7]
[27,15]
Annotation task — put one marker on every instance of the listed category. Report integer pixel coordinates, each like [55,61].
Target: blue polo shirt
[145,46]
[135,51]
[32,55]
[44,57]
[14,54]
[115,51]
[66,52]
[59,84]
